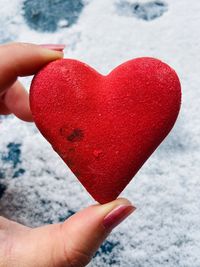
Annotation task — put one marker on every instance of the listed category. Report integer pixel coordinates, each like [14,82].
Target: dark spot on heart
[64,130]
[75,135]
[48,15]
[146,11]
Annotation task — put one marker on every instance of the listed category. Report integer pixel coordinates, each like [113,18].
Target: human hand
[73,242]
[17,60]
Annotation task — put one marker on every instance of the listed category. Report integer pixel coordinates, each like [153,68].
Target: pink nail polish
[55,47]
[117,215]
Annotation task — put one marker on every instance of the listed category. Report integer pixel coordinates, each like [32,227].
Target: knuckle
[77,258]
[73,256]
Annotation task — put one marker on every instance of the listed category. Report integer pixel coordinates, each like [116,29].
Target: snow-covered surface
[35,185]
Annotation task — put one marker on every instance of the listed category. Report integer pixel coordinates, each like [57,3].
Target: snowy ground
[35,185]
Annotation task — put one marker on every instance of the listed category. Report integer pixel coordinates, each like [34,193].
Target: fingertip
[88,228]
[51,55]
[51,52]
[122,201]
[17,101]
[115,203]
[24,59]
[54,47]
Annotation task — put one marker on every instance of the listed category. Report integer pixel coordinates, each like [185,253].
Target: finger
[20,59]
[84,232]
[71,243]
[75,241]
[16,100]
[3,109]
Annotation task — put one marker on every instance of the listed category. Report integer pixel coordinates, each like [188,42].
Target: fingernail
[116,216]
[55,47]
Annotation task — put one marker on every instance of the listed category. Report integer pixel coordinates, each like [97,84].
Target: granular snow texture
[37,188]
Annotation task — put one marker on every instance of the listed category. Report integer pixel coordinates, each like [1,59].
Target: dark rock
[146,11]
[2,190]
[107,247]
[45,15]
[13,155]
[18,173]
[2,175]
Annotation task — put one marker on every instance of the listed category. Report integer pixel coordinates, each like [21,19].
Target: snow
[164,230]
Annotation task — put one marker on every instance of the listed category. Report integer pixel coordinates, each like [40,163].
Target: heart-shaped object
[105,127]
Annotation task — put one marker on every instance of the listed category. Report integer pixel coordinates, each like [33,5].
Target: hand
[73,242]
[21,60]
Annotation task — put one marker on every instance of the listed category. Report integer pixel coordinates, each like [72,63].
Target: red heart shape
[105,127]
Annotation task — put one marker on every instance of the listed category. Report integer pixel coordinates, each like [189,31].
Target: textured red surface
[105,127]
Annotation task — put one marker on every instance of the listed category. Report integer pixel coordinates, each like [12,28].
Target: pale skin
[73,242]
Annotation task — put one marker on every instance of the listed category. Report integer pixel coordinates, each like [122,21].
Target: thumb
[73,242]
[83,233]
